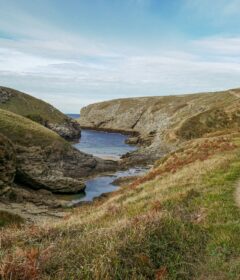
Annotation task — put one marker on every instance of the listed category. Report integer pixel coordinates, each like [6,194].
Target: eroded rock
[60,171]
[5,95]
[7,163]
[41,159]
[69,130]
[132,141]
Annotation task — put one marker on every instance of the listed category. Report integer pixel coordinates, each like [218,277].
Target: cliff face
[163,122]
[40,112]
[7,163]
[34,156]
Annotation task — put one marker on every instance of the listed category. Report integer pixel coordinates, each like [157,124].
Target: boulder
[132,141]
[70,129]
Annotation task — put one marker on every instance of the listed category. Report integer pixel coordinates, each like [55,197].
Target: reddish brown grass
[161,273]
[197,150]
[24,264]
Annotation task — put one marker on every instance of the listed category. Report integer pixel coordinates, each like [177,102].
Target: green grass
[26,105]
[25,132]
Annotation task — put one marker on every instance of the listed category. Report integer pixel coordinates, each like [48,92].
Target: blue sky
[75,52]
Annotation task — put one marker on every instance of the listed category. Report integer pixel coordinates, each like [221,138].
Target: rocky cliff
[7,163]
[36,157]
[162,123]
[39,111]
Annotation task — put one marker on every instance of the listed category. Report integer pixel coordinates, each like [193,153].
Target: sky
[71,53]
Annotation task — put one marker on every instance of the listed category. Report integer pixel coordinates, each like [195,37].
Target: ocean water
[103,144]
[101,184]
[74,116]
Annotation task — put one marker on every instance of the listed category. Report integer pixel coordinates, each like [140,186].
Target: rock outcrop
[40,159]
[162,122]
[69,130]
[55,169]
[39,111]
[7,163]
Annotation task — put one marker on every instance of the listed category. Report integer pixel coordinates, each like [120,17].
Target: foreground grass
[179,223]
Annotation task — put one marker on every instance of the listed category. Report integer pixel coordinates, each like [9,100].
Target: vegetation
[180,221]
[37,118]
[7,219]
[26,132]
[209,121]
[29,106]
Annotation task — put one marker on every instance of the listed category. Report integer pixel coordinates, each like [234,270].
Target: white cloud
[70,71]
[220,45]
[73,83]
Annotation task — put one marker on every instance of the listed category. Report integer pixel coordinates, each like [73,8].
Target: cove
[108,146]
[104,144]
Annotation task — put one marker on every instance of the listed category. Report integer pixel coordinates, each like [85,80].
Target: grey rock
[5,95]
[59,171]
[69,130]
[132,141]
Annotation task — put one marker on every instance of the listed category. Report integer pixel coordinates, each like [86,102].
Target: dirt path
[237,94]
[237,196]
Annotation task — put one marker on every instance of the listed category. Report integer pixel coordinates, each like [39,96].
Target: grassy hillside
[26,105]
[25,132]
[165,122]
[180,221]
[153,114]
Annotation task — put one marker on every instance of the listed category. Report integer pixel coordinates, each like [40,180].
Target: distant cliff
[164,122]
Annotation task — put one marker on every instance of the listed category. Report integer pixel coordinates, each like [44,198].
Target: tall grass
[180,224]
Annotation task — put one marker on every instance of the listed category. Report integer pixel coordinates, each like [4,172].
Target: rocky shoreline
[130,133]
[130,159]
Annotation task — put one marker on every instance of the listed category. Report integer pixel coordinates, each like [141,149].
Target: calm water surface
[103,144]
[101,184]
[74,116]
[108,146]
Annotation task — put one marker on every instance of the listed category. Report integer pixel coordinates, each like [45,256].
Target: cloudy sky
[75,52]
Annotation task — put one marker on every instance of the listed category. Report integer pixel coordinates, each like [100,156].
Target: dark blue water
[74,116]
[103,144]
